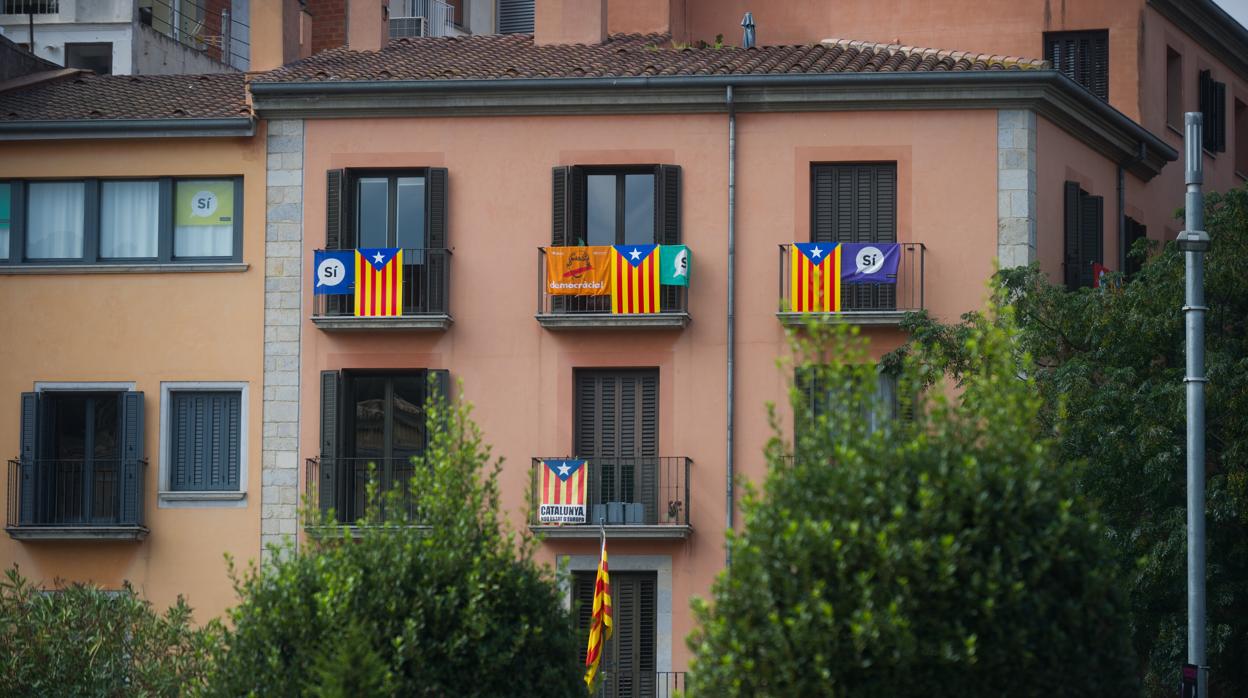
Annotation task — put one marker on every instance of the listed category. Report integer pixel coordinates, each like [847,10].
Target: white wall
[50,40]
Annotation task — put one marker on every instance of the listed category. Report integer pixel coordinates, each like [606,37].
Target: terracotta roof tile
[91,96]
[502,57]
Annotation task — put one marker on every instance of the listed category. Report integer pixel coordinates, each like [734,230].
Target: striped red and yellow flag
[600,620]
[815,277]
[563,491]
[635,279]
[378,282]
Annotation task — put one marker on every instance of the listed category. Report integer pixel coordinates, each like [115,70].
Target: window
[1135,231]
[394,208]
[515,16]
[133,221]
[1083,235]
[1213,107]
[1174,89]
[820,399]
[205,446]
[97,57]
[1082,56]
[1241,152]
[81,456]
[616,205]
[617,429]
[628,657]
[856,202]
[34,7]
[372,425]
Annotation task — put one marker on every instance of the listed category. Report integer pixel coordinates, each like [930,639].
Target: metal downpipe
[730,496]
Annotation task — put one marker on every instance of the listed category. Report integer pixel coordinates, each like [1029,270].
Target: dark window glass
[80,481]
[97,57]
[1241,149]
[6,208]
[619,208]
[409,221]
[388,416]
[373,212]
[600,209]
[638,209]
[1174,88]
[369,424]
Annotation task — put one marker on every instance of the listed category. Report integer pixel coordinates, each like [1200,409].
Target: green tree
[1110,367]
[80,640]
[452,606]
[941,555]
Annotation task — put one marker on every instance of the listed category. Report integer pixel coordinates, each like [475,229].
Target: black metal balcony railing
[647,684]
[359,489]
[672,299]
[75,493]
[904,295]
[629,491]
[426,287]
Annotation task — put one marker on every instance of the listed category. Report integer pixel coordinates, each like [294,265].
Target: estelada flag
[815,277]
[578,271]
[635,279]
[378,282]
[563,491]
[600,620]
[1098,274]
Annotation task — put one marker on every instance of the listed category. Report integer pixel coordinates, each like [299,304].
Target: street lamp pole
[1194,241]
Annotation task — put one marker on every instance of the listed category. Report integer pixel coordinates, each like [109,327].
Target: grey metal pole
[729,462]
[1193,242]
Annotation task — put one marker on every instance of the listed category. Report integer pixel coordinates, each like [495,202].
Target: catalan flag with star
[378,282]
[635,279]
[815,277]
[563,491]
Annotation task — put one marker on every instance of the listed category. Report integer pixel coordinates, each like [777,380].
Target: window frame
[169,498]
[352,176]
[620,172]
[19,199]
[1174,81]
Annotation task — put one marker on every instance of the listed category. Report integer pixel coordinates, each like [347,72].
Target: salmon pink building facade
[1025,134]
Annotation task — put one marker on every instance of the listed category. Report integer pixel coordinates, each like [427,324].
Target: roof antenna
[747,22]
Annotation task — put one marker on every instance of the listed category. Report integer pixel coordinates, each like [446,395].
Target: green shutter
[1091,235]
[29,450]
[327,481]
[205,440]
[439,262]
[131,455]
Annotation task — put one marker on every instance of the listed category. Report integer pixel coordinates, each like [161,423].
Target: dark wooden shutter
[1070,234]
[131,455]
[205,440]
[439,261]
[617,428]
[335,180]
[631,651]
[515,16]
[331,391]
[1091,235]
[1082,56]
[29,453]
[1212,96]
[583,609]
[856,203]
[667,205]
[559,206]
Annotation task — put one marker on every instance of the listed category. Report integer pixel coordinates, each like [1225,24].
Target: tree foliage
[946,554]
[80,640]
[452,606]
[1110,367]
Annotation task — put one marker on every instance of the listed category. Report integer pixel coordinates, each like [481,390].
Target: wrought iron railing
[672,299]
[199,26]
[79,492]
[629,491]
[426,287]
[645,684]
[361,489]
[907,293]
[421,18]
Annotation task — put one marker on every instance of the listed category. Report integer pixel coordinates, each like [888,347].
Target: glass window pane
[55,217]
[599,210]
[639,209]
[372,218]
[204,219]
[408,428]
[370,416]
[5,207]
[129,219]
[105,437]
[409,219]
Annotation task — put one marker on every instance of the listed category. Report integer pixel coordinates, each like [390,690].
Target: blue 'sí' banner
[333,272]
[870,262]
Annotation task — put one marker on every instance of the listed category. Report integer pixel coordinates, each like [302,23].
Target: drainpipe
[1122,206]
[732,259]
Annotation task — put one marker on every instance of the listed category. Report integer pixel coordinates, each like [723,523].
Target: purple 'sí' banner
[870,262]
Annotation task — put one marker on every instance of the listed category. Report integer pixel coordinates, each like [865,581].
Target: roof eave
[1046,91]
[79,129]
[1212,27]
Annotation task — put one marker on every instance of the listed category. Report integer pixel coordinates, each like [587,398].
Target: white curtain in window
[55,220]
[129,219]
[203,241]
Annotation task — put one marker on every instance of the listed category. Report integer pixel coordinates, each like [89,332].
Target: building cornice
[1049,93]
[1212,27]
[229,127]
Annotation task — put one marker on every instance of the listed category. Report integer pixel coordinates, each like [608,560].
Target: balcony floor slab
[613,321]
[350,323]
[879,318]
[633,532]
[49,533]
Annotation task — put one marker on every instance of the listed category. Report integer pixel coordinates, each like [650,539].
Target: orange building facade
[475,155]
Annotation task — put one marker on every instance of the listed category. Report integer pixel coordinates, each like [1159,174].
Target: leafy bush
[454,606]
[943,555]
[83,641]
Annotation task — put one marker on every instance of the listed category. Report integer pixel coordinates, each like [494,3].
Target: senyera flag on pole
[815,277]
[600,620]
[378,282]
[563,492]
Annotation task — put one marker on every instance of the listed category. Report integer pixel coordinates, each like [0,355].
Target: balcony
[878,304]
[622,684]
[426,299]
[75,500]
[559,312]
[636,497]
[410,18]
[356,490]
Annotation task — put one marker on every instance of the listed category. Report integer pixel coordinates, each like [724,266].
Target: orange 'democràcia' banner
[578,271]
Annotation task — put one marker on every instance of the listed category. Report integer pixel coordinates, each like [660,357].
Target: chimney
[281,32]
[368,27]
[570,22]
